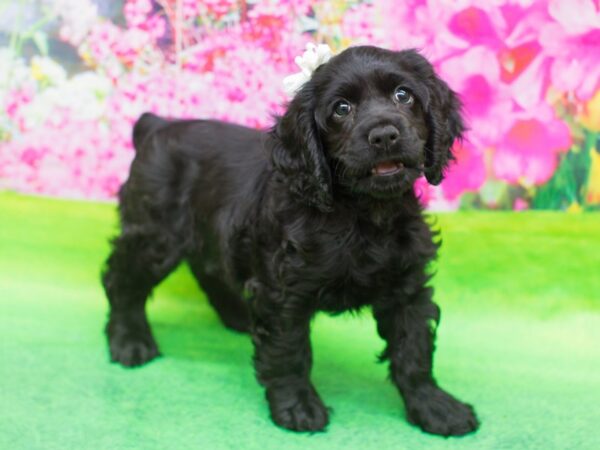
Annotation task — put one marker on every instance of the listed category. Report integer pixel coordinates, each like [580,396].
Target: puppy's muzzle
[383,137]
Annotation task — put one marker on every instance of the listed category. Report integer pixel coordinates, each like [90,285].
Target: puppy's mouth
[387,168]
[381,179]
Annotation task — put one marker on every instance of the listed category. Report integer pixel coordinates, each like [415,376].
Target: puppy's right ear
[299,154]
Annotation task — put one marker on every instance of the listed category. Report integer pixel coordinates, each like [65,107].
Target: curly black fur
[319,214]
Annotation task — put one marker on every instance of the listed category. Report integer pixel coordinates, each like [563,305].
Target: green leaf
[41,41]
[568,184]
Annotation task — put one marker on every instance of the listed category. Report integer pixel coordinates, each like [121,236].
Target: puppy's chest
[361,270]
[349,270]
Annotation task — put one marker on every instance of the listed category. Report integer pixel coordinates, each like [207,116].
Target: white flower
[48,70]
[78,17]
[14,71]
[313,57]
[83,95]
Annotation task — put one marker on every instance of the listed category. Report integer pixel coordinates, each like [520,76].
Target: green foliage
[568,184]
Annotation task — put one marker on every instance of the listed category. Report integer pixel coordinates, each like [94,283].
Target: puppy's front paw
[297,408]
[130,346]
[435,411]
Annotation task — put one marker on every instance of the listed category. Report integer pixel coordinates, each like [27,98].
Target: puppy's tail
[145,126]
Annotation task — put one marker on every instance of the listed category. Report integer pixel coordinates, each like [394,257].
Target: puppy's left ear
[299,153]
[445,125]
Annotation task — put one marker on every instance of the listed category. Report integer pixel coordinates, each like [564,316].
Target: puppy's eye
[403,96]
[342,108]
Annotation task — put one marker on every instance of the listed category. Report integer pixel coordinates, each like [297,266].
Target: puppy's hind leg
[229,304]
[147,250]
[139,261]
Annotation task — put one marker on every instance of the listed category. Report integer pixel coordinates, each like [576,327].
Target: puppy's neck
[381,212]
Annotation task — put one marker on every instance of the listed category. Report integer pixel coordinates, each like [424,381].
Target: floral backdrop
[75,74]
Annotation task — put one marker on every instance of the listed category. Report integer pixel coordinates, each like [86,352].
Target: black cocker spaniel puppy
[318,214]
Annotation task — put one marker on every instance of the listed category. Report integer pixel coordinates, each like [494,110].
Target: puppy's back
[216,166]
[199,137]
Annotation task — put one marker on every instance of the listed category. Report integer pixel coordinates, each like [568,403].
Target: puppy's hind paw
[437,412]
[298,409]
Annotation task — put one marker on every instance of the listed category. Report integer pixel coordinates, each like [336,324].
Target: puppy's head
[369,122]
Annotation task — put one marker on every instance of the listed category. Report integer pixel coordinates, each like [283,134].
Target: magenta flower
[392,13]
[15,101]
[573,43]
[218,8]
[357,25]
[423,190]
[529,152]
[511,31]
[520,205]
[103,38]
[475,26]
[488,105]
[136,12]
[506,58]
[466,173]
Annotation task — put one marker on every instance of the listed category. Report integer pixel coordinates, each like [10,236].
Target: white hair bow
[313,57]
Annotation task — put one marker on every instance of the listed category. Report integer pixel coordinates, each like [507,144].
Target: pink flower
[31,156]
[412,24]
[137,11]
[475,26]
[466,173]
[130,44]
[506,59]
[218,8]
[520,204]
[510,31]
[529,152]
[423,191]
[14,103]
[573,43]
[358,24]
[488,105]
[102,39]
[526,72]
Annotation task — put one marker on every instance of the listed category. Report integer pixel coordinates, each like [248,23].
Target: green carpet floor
[519,339]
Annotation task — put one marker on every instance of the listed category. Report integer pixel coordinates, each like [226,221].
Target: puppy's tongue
[387,168]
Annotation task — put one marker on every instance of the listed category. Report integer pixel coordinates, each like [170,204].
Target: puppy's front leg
[283,360]
[408,329]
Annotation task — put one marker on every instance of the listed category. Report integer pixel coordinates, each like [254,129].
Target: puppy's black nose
[383,137]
